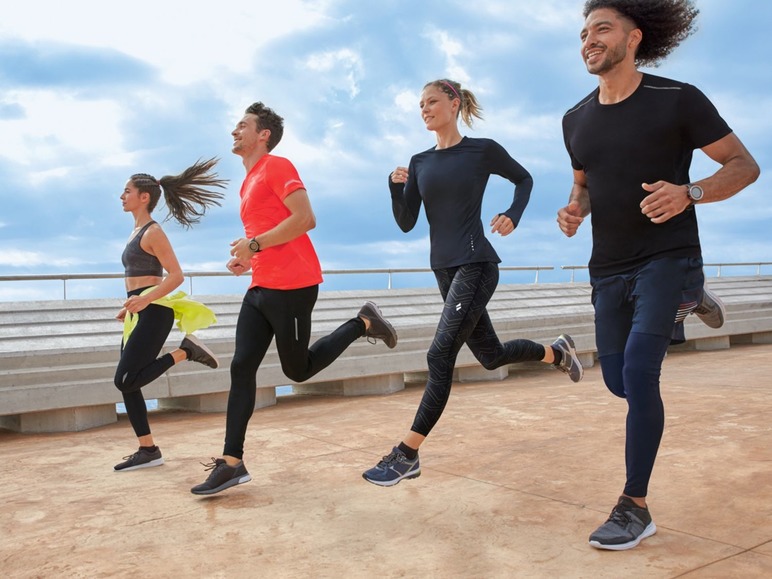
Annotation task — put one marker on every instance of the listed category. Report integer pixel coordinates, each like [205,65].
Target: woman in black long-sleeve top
[449,181]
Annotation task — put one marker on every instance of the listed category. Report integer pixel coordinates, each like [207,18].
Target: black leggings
[285,314]
[140,364]
[466,289]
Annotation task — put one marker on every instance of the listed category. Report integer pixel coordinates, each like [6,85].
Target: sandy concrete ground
[515,477]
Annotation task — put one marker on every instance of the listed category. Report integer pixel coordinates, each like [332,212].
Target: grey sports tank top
[138,262]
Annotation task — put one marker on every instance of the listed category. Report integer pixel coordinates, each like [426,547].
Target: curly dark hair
[267,119]
[187,195]
[664,24]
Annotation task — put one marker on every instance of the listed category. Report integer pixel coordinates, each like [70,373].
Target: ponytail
[187,195]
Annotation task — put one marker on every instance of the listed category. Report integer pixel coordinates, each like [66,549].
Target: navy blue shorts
[652,299]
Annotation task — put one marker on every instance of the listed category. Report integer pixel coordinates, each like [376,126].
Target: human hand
[664,202]
[240,249]
[502,225]
[399,175]
[236,266]
[570,218]
[136,304]
[121,316]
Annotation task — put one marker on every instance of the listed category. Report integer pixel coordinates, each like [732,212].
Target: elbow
[310,222]
[755,172]
[176,278]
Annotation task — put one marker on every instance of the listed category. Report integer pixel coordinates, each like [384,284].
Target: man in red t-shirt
[286,274]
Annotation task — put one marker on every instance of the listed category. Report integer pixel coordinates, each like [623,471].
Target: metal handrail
[757,264]
[190,275]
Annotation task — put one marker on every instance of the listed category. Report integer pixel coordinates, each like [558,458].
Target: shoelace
[620,516]
[212,465]
[391,458]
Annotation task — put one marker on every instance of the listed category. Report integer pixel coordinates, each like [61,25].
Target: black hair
[664,24]
[267,119]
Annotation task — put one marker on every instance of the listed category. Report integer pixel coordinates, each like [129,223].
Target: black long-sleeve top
[451,183]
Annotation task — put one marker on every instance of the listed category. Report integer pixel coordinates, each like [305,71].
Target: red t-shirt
[291,265]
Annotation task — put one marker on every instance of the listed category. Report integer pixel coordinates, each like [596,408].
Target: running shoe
[143,458]
[222,477]
[380,328]
[392,469]
[198,352]
[569,363]
[627,526]
[711,310]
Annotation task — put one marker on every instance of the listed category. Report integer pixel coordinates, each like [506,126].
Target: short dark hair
[267,119]
[664,24]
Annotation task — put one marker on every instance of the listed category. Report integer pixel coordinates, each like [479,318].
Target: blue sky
[91,92]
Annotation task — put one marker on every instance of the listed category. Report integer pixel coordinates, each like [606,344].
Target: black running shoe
[141,459]
[380,329]
[711,310]
[569,363]
[222,477]
[197,352]
[627,526]
[392,468]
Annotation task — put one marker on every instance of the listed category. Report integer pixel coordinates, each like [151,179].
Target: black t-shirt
[450,183]
[648,137]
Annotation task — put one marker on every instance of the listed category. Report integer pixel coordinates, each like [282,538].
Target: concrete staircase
[57,358]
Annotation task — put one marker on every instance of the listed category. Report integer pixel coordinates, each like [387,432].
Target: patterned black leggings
[466,289]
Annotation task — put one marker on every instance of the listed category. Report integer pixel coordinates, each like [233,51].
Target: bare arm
[572,215]
[300,221]
[738,170]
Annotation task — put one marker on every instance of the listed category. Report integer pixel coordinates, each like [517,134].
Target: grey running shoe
[711,310]
[222,477]
[392,469]
[627,526]
[197,352]
[141,459]
[570,363]
[380,329]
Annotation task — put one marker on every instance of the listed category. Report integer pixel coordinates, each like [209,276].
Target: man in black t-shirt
[631,143]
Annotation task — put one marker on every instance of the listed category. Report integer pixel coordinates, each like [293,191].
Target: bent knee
[124,383]
[490,363]
[294,375]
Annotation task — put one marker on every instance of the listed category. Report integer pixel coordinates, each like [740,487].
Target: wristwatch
[695,193]
[254,246]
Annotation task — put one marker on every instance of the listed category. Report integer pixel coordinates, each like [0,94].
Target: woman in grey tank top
[147,322]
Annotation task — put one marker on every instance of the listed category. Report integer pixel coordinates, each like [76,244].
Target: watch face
[696,192]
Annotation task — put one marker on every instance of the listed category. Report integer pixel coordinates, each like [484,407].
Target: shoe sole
[156,462]
[391,344]
[572,352]
[226,485]
[650,529]
[707,319]
[201,345]
[391,483]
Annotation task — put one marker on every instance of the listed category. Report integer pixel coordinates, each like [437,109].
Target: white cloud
[56,125]
[452,49]
[188,40]
[349,63]
[12,257]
